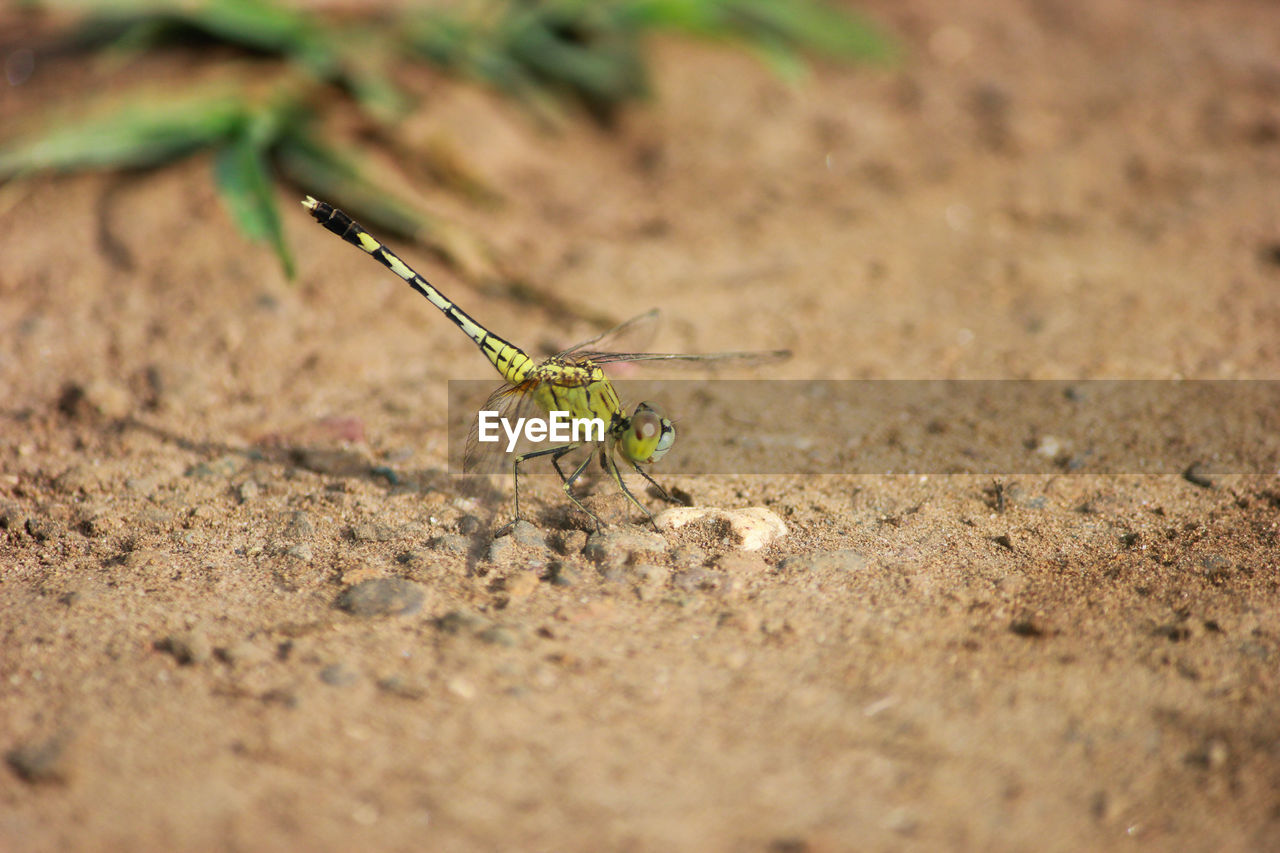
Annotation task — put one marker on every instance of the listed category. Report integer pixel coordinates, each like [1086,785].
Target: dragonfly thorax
[582,390]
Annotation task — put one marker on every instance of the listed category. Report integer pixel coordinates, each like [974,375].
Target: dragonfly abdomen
[512,362]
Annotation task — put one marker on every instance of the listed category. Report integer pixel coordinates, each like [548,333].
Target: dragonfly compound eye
[649,436]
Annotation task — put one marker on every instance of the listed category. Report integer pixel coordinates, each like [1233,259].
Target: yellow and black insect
[571,381]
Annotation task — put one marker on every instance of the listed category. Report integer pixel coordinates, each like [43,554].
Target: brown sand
[1042,190]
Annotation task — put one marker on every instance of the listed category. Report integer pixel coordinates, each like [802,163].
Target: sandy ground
[195,459]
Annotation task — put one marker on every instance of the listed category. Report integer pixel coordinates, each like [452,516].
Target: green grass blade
[244,184]
[351,56]
[816,27]
[143,132]
[261,25]
[594,50]
[326,173]
[799,25]
[591,54]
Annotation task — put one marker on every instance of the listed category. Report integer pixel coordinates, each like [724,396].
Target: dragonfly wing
[511,402]
[625,341]
[708,360]
[634,334]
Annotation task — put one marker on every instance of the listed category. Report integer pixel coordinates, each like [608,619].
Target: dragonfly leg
[568,486]
[515,473]
[662,493]
[555,460]
[555,453]
[607,462]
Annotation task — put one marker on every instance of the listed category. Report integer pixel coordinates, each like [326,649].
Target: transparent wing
[625,342]
[633,335]
[490,457]
[512,403]
[709,360]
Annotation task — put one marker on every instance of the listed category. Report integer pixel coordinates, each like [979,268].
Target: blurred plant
[592,50]
[543,52]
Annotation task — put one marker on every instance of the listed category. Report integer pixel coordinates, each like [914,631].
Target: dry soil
[201,461]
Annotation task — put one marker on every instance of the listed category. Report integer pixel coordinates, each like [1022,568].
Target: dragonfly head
[649,435]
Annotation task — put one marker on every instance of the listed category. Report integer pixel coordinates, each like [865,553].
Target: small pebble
[458,621]
[95,523]
[43,529]
[502,550]
[140,485]
[77,478]
[461,688]
[562,574]
[339,675]
[650,580]
[101,397]
[280,696]
[1027,626]
[615,547]
[223,466]
[190,647]
[42,762]
[300,526]
[367,532]
[109,399]
[451,543]
[528,535]
[520,585]
[1198,475]
[243,653]
[570,542]
[300,552]
[845,560]
[248,491]
[337,463]
[152,561]
[746,621]
[687,556]
[382,597]
[902,820]
[688,580]
[418,561]
[1049,446]
[739,564]
[1216,567]
[613,575]
[498,635]
[1174,632]
[398,685]
[342,427]
[749,529]
[156,516]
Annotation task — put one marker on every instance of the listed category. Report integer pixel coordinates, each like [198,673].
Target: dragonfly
[572,381]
